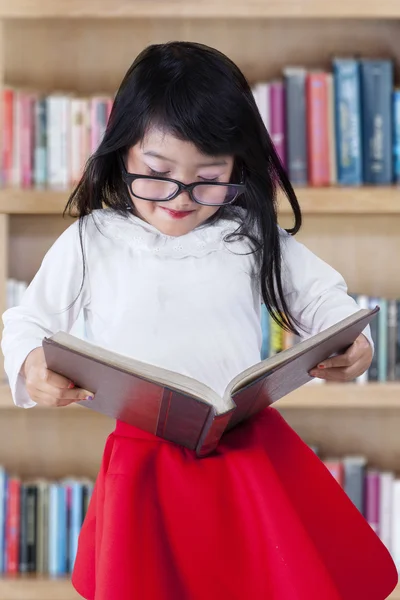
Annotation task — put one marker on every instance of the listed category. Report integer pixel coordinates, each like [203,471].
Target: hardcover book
[179,408]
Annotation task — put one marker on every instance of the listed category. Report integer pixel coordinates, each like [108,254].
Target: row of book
[375,493]
[385,332]
[40,522]
[338,127]
[47,139]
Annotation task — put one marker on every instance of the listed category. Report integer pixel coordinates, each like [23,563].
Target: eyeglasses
[163,189]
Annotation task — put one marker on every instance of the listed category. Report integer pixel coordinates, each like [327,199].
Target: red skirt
[261,518]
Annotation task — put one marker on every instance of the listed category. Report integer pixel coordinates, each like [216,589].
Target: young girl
[176,247]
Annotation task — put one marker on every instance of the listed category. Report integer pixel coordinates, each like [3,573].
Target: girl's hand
[45,387]
[346,367]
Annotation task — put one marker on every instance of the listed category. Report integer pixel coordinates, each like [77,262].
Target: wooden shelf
[37,588]
[320,201]
[47,589]
[194,9]
[312,395]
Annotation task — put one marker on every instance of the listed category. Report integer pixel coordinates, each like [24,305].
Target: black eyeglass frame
[129,178]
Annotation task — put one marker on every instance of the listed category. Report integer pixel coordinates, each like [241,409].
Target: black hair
[199,95]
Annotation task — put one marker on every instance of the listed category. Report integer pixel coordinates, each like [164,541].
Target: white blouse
[189,304]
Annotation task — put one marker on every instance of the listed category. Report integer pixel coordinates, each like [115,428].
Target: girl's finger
[59,395]
[340,373]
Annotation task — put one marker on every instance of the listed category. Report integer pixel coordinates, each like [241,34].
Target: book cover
[396,135]
[348,121]
[372,499]
[376,94]
[277,113]
[354,480]
[296,120]
[317,129]
[179,408]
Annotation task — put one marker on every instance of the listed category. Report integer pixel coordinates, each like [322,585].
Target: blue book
[265,319]
[396,135]
[76,517]
[3,497]
[377,127]
[57,530]
[346,72]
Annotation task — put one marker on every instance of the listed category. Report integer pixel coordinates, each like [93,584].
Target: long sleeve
[315,292]
[48,305]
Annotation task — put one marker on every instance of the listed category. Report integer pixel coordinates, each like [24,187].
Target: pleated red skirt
[260,519]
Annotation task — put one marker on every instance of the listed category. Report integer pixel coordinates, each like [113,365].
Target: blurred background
[324,76]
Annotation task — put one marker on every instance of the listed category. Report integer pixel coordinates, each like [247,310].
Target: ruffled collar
[142,236]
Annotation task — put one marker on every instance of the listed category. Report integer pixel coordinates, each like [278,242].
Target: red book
[7,141]
[26,132]
[335,467]
[277,115]
[318,129]
[13,525]
[372,499]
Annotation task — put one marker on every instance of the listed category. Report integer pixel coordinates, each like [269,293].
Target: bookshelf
[354,229]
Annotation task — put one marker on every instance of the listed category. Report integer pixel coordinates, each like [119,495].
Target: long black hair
[199,95]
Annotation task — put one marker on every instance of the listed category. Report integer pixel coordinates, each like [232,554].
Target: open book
[183,410]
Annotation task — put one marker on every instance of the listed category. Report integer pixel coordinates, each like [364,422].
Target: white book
[79,144]
[58,142]
[385,508]
[395,538]
[261,95]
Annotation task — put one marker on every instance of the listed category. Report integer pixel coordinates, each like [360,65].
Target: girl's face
[160,154]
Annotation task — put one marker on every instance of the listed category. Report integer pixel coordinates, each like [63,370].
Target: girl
[176,247]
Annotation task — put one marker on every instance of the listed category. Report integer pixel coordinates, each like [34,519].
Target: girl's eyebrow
[218,162]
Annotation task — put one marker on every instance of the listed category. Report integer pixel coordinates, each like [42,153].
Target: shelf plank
[46,589]
[194,9]
[313,395]
[320,201]
[37,588]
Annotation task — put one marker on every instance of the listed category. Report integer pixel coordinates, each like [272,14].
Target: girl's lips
[177,214]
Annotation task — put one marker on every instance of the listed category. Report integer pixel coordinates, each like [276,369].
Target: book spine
[212,432]
[317,129]
[61,539]
[76,134]
[17,116]
[395,541]
[385,508]
[374,325]
[382,340]
[23,537]
[26,140]
[277,128]
[331,129]
[372,499]
[262,97]
[348,121]
[264,332]
[336,469]
[40,143]
[354,474]
[31,526]
[396,135]
[397,368]
[276,337]
[8,136]
[296,149]
[52,529]
[76,520]
[392,340]
[376,94]
[3,503]
[12,526]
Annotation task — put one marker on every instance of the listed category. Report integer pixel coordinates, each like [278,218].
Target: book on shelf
[179,408]
[40,522]
[374,492]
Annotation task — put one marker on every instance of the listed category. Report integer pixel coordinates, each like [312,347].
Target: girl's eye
[158,173]
[209,178]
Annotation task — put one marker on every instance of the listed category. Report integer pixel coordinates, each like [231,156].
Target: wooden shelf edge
[310,396]
[98,9]
[36,588]
[32,588]
[321,201]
